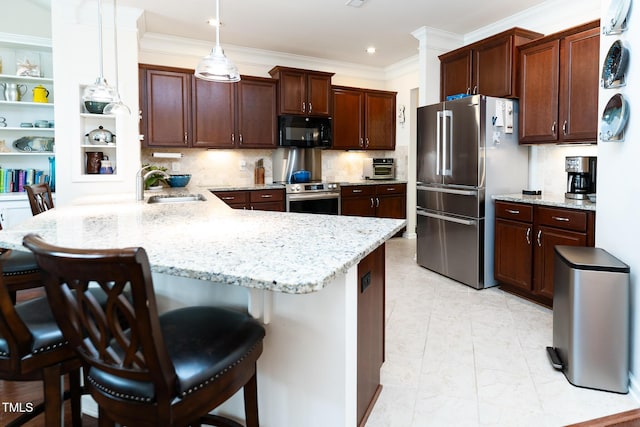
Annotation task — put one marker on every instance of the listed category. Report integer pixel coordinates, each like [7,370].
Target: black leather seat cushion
[18,262]
[202,342]
[37,316]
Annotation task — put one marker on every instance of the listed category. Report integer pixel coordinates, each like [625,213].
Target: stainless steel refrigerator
[467,151]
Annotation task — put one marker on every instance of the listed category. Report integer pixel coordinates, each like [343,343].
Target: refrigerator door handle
[446,218]
[447,143]
[438,140]
[448,190]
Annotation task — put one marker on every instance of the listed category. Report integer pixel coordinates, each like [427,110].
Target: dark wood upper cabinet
[257,114]
[488,67]
[559,87]
[166,107]
[213,114]
[363,119]
[179,110]
[303,92]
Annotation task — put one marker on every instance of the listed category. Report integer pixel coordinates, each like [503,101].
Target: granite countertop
[207,240]
[557,200]
[282,186]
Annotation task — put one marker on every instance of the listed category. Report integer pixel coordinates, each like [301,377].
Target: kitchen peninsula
[309,278]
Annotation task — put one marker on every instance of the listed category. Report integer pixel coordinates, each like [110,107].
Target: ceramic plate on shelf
[615,21]
[615,66]
[36,144]
[614,119]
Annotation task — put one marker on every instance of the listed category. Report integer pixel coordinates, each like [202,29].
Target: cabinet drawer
[233,197]
[562,218]
[357,190]
[514,211]
[383,189]
[257,196]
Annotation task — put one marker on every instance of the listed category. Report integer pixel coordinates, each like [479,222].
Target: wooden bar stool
[40,198]
[142,368]
[32,348]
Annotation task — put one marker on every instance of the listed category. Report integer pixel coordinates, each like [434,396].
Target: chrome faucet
[140,179]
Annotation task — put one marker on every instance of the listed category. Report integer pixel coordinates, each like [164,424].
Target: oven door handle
[313,196]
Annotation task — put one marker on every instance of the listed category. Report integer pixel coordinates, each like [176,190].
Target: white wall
[75,57]
[617,229]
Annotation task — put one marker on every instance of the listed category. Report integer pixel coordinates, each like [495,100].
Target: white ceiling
[324,28]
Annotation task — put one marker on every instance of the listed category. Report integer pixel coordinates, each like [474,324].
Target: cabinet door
[318,95]
[493,65]
[167,112]
[213,114]
[455,73]
[391,207]
[348,116]
[546,239]
[358,206]
[380,122]
[538,120]
[371,312]
[293,92]
[257,115]
[513,253]
[579,59]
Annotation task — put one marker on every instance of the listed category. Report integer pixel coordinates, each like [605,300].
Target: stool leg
[53,391]
[75,390]
[251,401]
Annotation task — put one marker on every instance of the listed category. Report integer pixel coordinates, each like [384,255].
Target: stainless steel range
[313,197]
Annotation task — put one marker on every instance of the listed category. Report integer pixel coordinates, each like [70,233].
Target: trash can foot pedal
[554,358]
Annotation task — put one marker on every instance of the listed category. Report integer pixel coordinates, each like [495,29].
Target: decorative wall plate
[34,144]
[614,119]
[615,22]
[615,66]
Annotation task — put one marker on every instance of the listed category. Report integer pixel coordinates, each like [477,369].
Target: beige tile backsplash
[223,167]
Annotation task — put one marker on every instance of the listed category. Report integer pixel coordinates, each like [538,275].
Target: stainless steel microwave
[300,131]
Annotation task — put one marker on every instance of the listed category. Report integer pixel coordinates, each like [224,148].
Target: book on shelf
[14,180]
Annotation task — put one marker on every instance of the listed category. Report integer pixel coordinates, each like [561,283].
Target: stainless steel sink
[181,198]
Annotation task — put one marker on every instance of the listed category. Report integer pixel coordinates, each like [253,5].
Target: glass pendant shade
[216,66]
[99,94]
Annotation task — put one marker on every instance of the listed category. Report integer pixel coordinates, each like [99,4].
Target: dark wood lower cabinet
[371,323]
[377,200]
[260,200]
[525,238]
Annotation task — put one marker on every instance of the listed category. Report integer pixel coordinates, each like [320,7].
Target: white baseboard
[634,387]
[89,406]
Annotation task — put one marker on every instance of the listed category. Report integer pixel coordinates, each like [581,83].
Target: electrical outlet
[175,166]
[243,165]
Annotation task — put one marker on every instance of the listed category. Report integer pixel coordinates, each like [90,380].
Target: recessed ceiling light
[355,3]
[371,50]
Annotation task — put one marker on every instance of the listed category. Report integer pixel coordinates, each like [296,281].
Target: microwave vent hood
[302,131]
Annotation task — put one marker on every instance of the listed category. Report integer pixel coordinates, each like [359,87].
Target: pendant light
[116,106]
[98,95]
[216,66]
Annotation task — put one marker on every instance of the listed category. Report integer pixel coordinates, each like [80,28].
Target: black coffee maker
[581,176]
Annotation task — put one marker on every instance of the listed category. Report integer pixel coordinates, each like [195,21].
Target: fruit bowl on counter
[179,180]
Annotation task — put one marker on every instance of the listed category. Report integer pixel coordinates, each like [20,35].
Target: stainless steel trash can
[591,318]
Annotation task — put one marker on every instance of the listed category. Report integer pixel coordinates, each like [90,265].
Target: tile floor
[456,356]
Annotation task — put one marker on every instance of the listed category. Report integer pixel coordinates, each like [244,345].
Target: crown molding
[169,45]
[20,39]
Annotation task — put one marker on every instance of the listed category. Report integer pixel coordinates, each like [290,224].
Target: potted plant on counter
[154,181]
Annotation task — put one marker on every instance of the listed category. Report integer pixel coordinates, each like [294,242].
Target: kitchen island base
[310,372]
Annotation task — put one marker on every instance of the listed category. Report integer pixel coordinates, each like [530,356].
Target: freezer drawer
[452,246]
[455,200]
